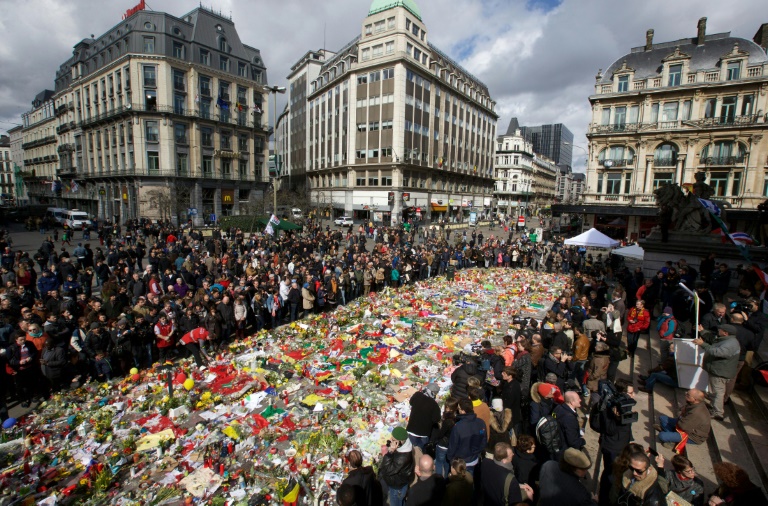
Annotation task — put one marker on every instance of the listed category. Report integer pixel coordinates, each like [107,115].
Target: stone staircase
[742,438]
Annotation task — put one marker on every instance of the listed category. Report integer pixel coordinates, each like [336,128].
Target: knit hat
[551,378]
[667,309]
[576,458]
[546,390]
[400,433]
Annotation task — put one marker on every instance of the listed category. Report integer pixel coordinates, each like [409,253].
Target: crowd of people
[512,428]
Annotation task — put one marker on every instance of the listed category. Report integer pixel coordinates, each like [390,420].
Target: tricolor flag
[742,239]
[710,206]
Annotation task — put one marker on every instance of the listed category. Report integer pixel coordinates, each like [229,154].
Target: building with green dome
[389,127]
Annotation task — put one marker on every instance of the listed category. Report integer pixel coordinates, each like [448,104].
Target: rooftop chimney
[702,31]
[761,37]
[649,40]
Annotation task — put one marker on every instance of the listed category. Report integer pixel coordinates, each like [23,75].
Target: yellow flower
[206,396]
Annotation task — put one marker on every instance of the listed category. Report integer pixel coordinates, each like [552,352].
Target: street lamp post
[275,90]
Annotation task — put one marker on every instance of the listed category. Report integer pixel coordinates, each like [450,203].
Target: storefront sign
[102,191]
[124,192]
[133,10]
[226,154]
[406,196]
[228,196]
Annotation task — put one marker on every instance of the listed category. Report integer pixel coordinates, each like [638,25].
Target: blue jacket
[468,438]
[47,283]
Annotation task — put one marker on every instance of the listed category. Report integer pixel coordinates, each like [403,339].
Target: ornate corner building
[157,117]
[668,110]
[389,126]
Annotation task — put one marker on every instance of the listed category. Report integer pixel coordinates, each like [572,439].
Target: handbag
[430,449]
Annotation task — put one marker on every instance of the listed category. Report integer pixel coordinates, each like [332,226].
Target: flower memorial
[268,421]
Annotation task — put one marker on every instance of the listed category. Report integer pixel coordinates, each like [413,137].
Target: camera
[739,307]
[611,398]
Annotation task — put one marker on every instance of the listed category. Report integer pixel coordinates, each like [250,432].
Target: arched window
[665,155]
[616,156]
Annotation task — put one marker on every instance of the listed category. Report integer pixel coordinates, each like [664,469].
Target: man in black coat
[563,481]
[396,466]
[429,488]
[461,375]
[425,415]
[499,484]
[566,417]
[511,395]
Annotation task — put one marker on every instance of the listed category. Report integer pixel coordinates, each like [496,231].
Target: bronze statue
[683,209]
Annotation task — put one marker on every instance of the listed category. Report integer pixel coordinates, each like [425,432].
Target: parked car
[343,221]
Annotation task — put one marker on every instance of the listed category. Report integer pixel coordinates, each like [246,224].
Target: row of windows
[669,111]
[375,52]
[374,126]
[387,98]
[675,75]
[380,26]
[388,73]
[179,51]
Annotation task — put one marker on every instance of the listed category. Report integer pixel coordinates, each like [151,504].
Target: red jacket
[643,317]
[165,331]
[195,335]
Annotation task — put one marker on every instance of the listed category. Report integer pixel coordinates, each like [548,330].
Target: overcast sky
[538,57]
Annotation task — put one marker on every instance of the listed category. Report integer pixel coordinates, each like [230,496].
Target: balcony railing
[39,142]
[621,127]
[665,161]
[725,122]
[225,117]
[173,173]
[724,160]
[617,162]
[65,127]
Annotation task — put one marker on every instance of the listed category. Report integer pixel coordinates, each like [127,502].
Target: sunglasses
[638,471]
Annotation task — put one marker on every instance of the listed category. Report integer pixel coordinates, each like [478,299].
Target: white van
[56,214]
[296,213]
[76,219]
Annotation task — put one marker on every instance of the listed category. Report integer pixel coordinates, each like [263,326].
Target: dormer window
[733,71]
[675,74]
[623,84]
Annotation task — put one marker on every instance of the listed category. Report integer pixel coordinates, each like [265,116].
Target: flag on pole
[75,187]
[269,230]
[274,220]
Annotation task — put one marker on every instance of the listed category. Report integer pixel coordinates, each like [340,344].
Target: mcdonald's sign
[227,196]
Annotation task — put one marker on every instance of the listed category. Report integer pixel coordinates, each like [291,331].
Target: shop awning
[437,208]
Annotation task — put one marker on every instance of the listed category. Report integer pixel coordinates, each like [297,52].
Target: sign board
[192,211]
[125,193]
[406,196]
[133,10]
[227,196]
[472,218]
[391,198]
[521,221]
[688,360]
[540,233]
[378,216]
[213,218]
[102,191]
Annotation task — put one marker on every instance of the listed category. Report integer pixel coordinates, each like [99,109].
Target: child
[102,366]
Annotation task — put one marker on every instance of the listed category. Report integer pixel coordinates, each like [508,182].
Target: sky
[537,57]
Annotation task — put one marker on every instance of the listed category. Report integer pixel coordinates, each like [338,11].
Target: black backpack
[595,418]
[548,434]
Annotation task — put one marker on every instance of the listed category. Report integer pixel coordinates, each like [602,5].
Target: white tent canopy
[592,238]
[635,252]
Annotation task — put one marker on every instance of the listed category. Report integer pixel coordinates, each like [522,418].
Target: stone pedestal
[693,247]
